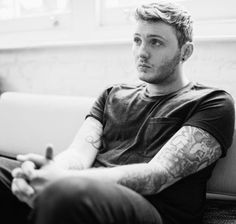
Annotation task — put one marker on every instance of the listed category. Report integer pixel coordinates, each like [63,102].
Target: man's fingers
[21,188]
[28,169]
[27,196]
[25,172]
[18,173]
[37,159]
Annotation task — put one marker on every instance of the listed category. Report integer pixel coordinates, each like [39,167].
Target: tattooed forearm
[188,151]
[144,179]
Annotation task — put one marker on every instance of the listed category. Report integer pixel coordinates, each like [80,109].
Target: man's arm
[188,151]
[84,148]
[80,155]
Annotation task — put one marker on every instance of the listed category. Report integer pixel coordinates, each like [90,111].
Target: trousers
[75,201]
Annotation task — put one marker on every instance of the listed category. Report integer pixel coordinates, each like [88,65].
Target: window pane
[123,3]
[128,3]
[10,9]
[7,9]
[34,7]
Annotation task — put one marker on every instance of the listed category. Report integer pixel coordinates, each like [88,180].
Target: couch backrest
[28,122]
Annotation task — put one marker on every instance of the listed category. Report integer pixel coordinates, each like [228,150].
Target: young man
[144,152]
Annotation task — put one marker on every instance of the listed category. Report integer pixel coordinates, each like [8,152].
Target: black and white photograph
[117,111]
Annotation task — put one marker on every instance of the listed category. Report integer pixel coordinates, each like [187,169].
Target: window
[125,3]
[25,15]
[212,18]
[118,12]
[39,23]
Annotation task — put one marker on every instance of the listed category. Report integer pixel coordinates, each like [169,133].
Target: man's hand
[30,179]
[20,184]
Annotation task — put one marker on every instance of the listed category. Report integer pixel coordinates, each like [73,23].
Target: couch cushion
[28,122]
[222,184]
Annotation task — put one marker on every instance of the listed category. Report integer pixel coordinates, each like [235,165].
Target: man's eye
[137,40]
[155,42]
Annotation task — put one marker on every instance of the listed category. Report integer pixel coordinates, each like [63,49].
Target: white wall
[214,63]
[81,70]
[86,70]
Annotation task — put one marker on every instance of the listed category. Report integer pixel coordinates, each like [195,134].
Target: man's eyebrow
[156,36]
[151,36]
[137,34]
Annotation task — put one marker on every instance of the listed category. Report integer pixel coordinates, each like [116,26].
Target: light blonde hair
[170,13]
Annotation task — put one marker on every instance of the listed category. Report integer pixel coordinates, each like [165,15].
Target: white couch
[28,122]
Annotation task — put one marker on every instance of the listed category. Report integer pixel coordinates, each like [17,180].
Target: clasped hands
[32,176]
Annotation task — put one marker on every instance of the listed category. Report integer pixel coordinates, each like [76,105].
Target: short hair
[170,13]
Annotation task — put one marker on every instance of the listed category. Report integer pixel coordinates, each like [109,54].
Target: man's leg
[81,200]
[11,209]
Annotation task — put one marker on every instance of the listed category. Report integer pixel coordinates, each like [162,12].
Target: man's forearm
[69,159]
[83,150]
[143,178]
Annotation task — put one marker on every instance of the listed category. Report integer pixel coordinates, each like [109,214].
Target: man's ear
[186,51]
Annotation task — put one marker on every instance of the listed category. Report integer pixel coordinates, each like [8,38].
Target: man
[144,152]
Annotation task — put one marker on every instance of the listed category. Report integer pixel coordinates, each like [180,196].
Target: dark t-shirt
[136,126]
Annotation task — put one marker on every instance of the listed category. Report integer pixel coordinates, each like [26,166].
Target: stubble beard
[165,73]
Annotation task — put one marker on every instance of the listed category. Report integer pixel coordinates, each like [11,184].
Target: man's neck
[160,89]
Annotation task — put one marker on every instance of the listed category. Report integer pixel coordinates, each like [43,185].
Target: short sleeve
[97,110]
[216,115]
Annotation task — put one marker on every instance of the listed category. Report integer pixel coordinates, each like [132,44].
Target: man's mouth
[144,65]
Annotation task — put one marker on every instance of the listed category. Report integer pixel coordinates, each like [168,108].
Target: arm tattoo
[90,132]
[144,180]
[94,134]
[188,151]
[93,141]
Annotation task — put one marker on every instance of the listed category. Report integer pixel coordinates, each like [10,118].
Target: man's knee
[12,210]
[82,200]
[67,190]
[69,198]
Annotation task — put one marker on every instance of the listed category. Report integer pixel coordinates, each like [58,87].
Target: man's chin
[145,76]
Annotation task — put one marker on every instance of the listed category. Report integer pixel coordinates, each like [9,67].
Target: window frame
[31,23]
[83,26]
[218,25]
[33,30]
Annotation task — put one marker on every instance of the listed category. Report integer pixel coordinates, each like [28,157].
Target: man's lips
[144,65]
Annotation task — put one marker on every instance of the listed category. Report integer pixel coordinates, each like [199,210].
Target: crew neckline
[145,95]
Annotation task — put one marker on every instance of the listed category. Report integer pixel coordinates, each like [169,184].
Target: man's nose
[143,51]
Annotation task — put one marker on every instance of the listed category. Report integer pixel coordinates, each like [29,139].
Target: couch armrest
[28,122]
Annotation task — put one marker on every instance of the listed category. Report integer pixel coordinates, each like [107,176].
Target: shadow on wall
[2,86]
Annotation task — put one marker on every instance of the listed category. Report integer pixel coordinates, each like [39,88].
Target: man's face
[156,52]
